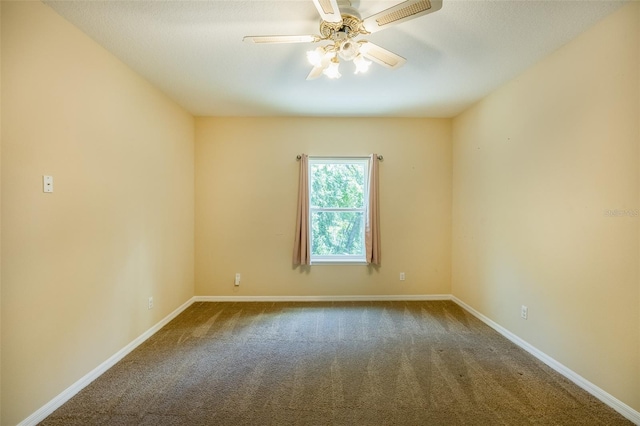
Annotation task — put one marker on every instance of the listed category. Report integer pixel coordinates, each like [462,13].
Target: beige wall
[246,191]
[536,165]
[79,264]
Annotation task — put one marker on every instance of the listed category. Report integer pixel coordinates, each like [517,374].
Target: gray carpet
[340,363]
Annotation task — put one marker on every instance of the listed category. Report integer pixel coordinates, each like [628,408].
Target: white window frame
[339,259]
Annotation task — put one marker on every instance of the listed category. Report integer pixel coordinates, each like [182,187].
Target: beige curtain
[372,230]
[301,248]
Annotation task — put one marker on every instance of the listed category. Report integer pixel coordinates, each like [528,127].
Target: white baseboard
[72,390]
[594,390]
[370,298]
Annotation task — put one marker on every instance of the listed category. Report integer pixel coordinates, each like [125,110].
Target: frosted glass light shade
[348,50]
[362,65]
[315,56]
[332,70]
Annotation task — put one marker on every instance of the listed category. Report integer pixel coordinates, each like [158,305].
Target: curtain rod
[298,157]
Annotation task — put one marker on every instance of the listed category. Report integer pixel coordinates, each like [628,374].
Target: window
[338,189]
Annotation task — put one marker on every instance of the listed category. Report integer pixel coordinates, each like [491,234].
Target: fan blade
[315,73]
[381,56]
[281,39]
[328,10]
[399,13]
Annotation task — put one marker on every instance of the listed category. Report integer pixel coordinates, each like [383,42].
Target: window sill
[338,262]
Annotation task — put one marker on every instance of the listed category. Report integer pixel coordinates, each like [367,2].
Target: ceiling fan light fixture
[341,26]
[332,70]
[362,65]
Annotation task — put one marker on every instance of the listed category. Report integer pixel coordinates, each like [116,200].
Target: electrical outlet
[150,302]
[524,312]
[402,276]
[237,280]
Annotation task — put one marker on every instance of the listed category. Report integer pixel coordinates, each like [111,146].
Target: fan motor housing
[351,26]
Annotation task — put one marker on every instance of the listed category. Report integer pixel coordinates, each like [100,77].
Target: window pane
[337,233]
[337,185]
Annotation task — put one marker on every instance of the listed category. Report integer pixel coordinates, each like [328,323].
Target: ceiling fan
[341,25]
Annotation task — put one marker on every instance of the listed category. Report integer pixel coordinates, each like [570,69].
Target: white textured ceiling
[193,51]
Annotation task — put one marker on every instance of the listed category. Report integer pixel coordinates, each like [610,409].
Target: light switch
[47,183]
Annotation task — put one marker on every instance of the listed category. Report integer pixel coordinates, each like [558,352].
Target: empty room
[305,212]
